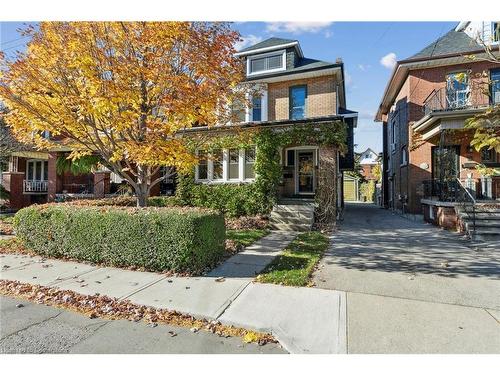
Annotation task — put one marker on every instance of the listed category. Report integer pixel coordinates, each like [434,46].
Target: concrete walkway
[304,320]
[35,328]
[412,287]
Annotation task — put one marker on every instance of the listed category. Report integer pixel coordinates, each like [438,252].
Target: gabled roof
[303,65]
[452,42]
[271,42]
[450,49]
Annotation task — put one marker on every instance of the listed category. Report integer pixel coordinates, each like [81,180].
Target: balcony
[35,186]
[444,99]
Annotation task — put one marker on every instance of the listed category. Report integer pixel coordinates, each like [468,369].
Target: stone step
[292,215]
[293,208]
[291,220]
[291,227]
[479,216]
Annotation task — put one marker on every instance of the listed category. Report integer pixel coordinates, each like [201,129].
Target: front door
[305,172]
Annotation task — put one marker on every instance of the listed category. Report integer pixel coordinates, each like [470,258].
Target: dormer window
[268,62]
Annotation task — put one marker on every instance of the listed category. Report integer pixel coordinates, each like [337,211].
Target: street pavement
[34,328]
[412,287]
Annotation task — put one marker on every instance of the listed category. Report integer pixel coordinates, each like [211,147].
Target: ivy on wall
[268,171]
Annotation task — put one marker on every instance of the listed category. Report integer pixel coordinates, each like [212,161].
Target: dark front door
[305,172]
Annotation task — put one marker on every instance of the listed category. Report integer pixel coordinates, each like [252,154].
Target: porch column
[101,183]
[52,176]
[13,184]
[326,193]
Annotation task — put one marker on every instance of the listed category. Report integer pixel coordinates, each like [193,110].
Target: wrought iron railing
[35,186]
[78,188]
[466,202]
[444,99]
[442,190]
[452,191]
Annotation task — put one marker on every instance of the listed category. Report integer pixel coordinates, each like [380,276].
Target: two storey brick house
[428,159]
[294,91]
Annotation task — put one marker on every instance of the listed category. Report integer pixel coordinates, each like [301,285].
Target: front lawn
[295,265]
[245,237]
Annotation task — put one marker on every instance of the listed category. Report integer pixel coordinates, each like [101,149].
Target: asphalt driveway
[412,287]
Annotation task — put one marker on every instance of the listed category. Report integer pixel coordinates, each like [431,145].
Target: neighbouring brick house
[423,111]
[368,160]
[295,91]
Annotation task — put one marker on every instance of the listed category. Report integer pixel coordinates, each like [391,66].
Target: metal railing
[444,99]
[466,200]
[452,191]
[35,186]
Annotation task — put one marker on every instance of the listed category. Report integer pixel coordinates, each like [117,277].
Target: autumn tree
[486,125]
[123,91]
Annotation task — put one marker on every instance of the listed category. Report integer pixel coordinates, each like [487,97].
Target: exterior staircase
[293,215]
[487,221]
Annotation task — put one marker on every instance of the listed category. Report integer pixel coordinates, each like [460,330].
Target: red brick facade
[404,180]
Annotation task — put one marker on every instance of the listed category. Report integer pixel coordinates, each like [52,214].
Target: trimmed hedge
[158,239]
[230,199]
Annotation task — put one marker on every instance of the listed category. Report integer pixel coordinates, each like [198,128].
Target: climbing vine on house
[258,197]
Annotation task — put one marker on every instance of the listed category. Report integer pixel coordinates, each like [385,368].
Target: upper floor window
[269,62]
[495,31]
[298,96]
[257,108]
[457,90]
[495,86]
[404,156]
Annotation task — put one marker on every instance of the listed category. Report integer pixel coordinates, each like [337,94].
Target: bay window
[217,165]
[249,163]
[232,165]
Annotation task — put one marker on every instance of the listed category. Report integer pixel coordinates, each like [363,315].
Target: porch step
[291,227]
[487,222]
[293,214]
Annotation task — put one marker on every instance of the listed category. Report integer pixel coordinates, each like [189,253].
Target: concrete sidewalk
[304,320]
[35,328]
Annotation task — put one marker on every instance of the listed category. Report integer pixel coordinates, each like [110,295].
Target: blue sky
[368,50]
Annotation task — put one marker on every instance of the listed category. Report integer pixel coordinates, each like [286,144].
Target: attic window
[269,62]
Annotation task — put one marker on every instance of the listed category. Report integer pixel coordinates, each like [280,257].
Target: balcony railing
[35,186]
[450,100]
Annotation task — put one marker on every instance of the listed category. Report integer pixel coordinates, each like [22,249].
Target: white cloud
[297,27]
[247,41]
[364,67]
[389,60]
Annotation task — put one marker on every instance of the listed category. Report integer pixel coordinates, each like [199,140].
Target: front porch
[32,177]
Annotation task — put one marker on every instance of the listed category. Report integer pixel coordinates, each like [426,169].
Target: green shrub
[230,199]
[158,239]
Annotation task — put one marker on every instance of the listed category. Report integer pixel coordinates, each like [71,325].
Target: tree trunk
[142,197]
[142,190]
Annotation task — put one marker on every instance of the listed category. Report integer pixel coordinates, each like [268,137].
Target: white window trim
[34,161]
[263,107]
[263,55]
[225,170]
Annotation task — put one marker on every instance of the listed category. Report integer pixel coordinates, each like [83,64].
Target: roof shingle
[450,43]
[271,42]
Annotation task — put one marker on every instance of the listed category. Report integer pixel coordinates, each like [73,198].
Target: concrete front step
[291,227]
[290,214]
[293,208]
[480,216]
[291,220]
[484,223]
